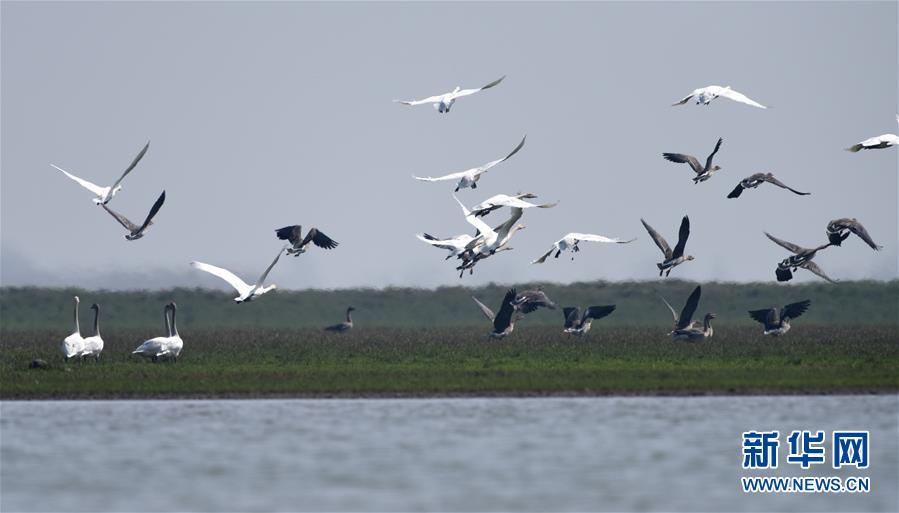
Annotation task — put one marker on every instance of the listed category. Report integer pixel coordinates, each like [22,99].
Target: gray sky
[263,115]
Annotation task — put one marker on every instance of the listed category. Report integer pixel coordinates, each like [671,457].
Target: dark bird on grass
[504,321]
[135,231]
[753,181]
[777,322]
[344,326]
[685,328]
[672,258]
[703,173]
[577,324]
[839,230]
[801,258]
[294,234]
[530,300]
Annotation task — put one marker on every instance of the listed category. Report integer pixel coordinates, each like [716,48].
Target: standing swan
[73,344]
[155,347]
[175,344]
[93,345]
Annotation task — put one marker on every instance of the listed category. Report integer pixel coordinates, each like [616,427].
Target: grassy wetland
[240,353]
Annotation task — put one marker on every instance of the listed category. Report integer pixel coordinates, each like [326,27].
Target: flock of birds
[487,241]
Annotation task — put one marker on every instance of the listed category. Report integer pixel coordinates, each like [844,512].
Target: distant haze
[262,115]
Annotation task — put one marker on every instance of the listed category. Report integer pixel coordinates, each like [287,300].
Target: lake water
[585,454]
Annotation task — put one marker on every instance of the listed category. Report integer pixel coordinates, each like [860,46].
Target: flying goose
[73,344]
[802,257]
[778,322]
[93,345]
[136,232]
[577,324]
[530,300]
[504,321]
[343,326]
[470,177]
[161,347]
[705,96]
[703,173]
[685,328]
[753,181]
[444,102]
[294,234]
[501,200]
[105,194]
[838,230]
[672,258]
[881,141]
[246,292]
[571,241]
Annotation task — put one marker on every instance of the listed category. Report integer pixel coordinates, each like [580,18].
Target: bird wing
[789,246]
[319,239]
[659,240]
[738,190]
[488,313]
[293,233]
[763,316]
[681,158]
[232,279]
[133,164]
[486,167]
[94,188]
[153,210]
[686,98]
[530,300]
[504,316]
[131,227]
[708,161]
[813,267]
[857,228]
[262,278]
[456,243]
[686,315]
[544,257]
[598,312]
[475,221]
[729,93]
[682,236]
[466,92]
[598,238]
[671,308]
[794,310]
[451,176]
[770,179]
[572,315]
[429,99]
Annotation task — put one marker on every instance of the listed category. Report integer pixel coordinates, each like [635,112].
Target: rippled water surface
[586,454]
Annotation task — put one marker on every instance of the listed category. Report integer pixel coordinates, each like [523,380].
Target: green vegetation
[424,361]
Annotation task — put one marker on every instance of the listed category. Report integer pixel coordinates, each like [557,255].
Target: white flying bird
[881,141]
[470,177]
[705,96]
[443,102]
[247,292]
[104,194]
[570,242]
[501,200]
[456,245]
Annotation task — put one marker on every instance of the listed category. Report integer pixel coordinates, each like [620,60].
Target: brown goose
[838,230]
[685,328]
[675,257]
[577,324]
[136,232]
[530,300]
[345,326]
[801,258]
[703,173]
[504,320]
[294,234]
[753,181]
[777,322]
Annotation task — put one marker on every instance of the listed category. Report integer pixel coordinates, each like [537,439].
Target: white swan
[455,245]
[175,344]
[488,241]
[156,347]
[705,95]
[470,177]
[73,344]
[246,292]
[105,194]
[881,141]
[93,345]
[502,200]
[444,102]
[570,242]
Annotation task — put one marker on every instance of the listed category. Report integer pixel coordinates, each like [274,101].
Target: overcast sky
[264,115]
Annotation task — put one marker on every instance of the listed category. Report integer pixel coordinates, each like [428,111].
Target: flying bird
[881,141]
[294,234]
[501,200]
[135,231]
[577,324]
[672,258]
[470,177]
[246,292]
[530,300]
[685,328]
[753,181]
[345,326]
[488,241]
[705,96]
[455,245]
[444,102]
[777,322]
[703,173]
[504,321]
[838,230]
[571,241]
[105,194]
[801,258]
